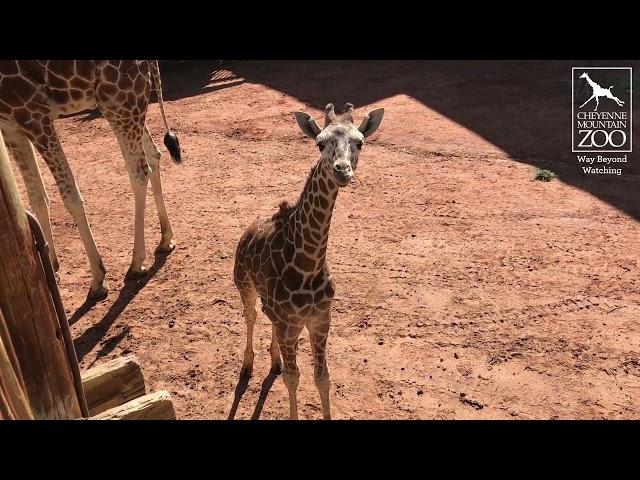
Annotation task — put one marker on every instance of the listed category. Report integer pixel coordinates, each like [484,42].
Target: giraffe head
[340,141]
[584,75]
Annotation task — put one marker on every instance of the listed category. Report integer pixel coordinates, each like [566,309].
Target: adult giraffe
[33,93]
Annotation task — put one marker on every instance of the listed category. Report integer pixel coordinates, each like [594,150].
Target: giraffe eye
[321,145]
[358,145]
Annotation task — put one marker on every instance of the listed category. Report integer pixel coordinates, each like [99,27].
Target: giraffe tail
[170,138]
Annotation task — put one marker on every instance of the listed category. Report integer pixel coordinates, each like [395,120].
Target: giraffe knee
[250,315]
[142,174]
[322,379]
[291,378]
[154,160]
[71,197]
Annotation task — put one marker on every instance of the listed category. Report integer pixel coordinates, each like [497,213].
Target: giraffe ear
[371,122]
[307,124]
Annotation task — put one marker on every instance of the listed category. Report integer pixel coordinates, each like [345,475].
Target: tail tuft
[173,145]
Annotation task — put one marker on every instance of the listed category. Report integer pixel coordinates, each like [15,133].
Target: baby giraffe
[282,259]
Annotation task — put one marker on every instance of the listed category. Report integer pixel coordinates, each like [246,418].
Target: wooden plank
[154,406]
[113,383]
[28,309]
[13,400]
[10,351]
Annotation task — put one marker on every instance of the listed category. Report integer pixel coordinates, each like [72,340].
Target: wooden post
[28,309]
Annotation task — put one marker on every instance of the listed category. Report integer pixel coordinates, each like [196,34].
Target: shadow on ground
[522,107]
[94,335]
[241,388]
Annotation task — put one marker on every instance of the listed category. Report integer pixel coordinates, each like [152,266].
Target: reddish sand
[464,288]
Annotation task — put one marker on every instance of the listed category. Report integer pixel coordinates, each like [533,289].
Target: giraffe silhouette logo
[598,92]
[601,109]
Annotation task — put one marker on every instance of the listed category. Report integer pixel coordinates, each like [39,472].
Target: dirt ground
[464,288]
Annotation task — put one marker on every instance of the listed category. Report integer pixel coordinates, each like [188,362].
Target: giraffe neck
[591,82]
[312,219]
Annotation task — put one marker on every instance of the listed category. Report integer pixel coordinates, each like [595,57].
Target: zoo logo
[601,109]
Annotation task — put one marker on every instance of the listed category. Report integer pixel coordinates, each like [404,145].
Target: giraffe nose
[342,172]
[342,167]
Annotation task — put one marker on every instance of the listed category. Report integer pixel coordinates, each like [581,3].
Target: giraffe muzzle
[342,173]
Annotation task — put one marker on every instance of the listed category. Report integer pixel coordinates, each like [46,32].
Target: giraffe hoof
[135,274]
[98,294]
[170,247]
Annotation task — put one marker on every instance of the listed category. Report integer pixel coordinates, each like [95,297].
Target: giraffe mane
[286,208]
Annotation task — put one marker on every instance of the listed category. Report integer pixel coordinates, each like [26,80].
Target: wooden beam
[154,406]
[113,383]
[28,309]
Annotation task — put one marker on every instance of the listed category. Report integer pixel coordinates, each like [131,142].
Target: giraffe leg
[590,98]
[49,147]
[274,349]
[25,158]
[132,147]
[167,243]
[318,334]
[138,178]
[288,340]
[249,297]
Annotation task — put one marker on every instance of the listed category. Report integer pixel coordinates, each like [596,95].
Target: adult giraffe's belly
[76,106]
